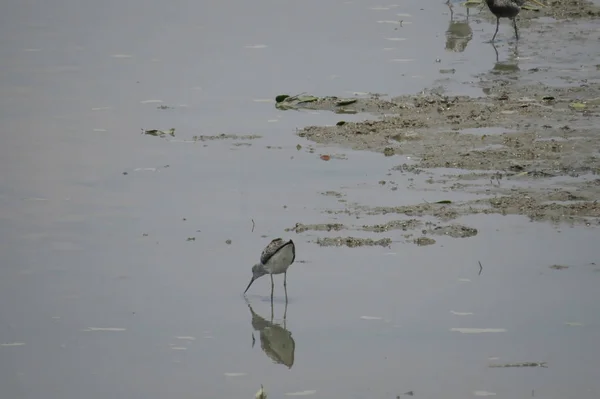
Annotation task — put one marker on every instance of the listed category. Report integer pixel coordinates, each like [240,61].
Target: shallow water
[101,293]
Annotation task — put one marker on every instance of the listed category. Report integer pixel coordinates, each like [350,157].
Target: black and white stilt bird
[276,258]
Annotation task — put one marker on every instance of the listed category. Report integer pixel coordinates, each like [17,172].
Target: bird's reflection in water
[510,65]
[459,33]
[275,340]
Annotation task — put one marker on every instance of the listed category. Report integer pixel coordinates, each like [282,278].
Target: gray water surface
[103,296]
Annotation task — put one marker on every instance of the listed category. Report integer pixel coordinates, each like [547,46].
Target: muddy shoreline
[528,149]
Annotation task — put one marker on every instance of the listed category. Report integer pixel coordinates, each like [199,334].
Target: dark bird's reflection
[510,65]
[275,340]
[459,33]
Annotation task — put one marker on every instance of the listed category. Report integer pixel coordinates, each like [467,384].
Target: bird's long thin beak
[538,3]
[251,281]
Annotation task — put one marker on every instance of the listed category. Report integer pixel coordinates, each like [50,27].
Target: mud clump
[454,230]
[434,129]
[424,241]
[536,210]
[571,9]
[393,225]
[352,242]
[537,206]
[442,212]
[300,228]
[514,135]
[332,194]
[224,136]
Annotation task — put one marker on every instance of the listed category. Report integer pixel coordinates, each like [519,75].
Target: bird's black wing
[270,250]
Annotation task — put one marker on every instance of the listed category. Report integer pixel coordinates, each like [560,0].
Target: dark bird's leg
[497,25]
[496,50]
[272,287]
[515,25]
[285,312]
[285,285]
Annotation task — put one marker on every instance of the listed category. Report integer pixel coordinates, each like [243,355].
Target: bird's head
[258,270]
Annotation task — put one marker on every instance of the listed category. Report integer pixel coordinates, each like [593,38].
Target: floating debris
[484,393]
[285,101]
[343,102]
[559,267]
[301,393]
[159,133]
[461,313]
[235,374]
[524,364]
[371,317]
[13,344]
[478,330]
[574,324]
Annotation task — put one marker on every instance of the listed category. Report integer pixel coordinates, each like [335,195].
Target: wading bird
[507,9]
[275,259]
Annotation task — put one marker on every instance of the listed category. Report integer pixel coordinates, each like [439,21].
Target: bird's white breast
[280,262]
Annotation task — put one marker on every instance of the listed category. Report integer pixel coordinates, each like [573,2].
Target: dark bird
[507,9]
[275,259]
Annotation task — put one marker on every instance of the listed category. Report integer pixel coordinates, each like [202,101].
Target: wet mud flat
[521,148]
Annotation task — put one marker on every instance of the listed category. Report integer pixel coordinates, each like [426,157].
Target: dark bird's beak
[251,281]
